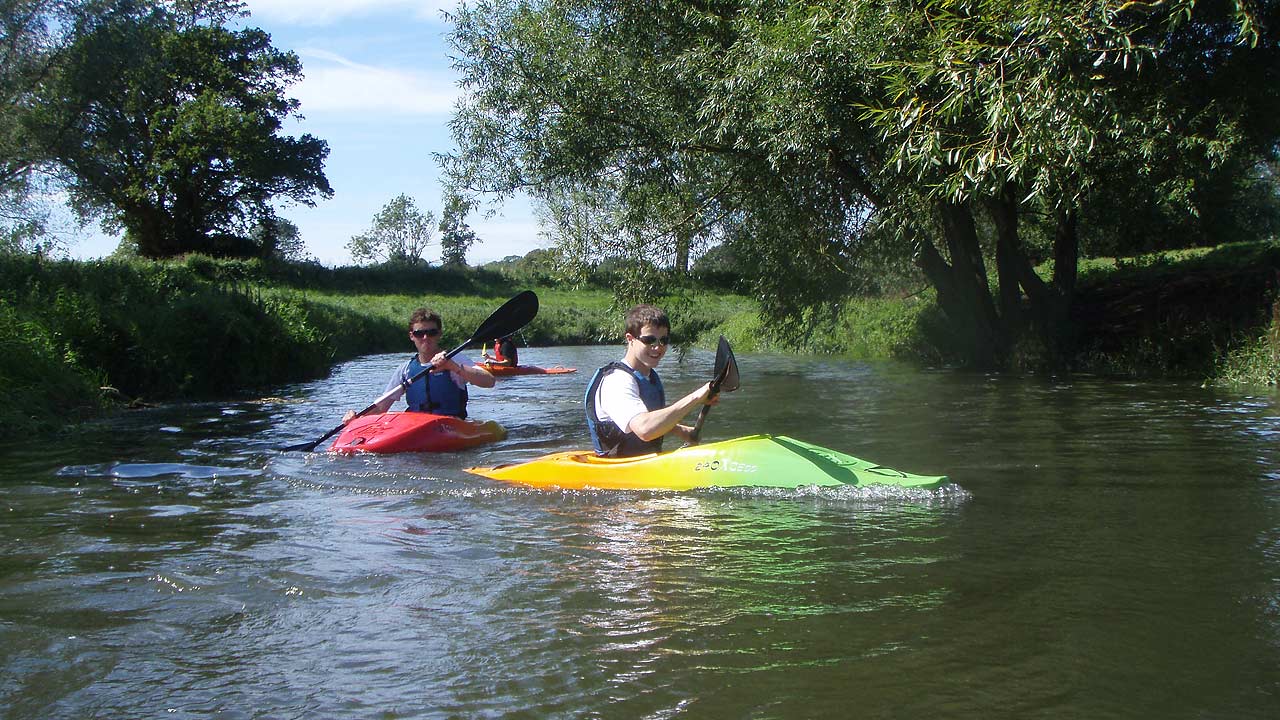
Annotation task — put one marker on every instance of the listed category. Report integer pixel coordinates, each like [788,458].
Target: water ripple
[1100,539]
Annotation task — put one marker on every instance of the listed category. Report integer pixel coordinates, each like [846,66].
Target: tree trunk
[1066,252]
[682,251]
[1004,214]
[963,291]
[1018,277]
[151,231]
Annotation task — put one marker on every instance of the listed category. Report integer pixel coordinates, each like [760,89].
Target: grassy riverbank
[1209,314]
[1203,313]
[79,337]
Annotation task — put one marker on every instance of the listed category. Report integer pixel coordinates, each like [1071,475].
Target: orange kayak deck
[508,370]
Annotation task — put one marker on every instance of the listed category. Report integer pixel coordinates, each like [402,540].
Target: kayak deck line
[751,461]
[509,370]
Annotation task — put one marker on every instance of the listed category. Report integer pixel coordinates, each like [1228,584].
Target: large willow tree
[975,136]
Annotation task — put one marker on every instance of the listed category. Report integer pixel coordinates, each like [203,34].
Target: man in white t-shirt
[627,413]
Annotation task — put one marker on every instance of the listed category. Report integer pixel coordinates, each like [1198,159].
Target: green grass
[1256,360]
[565,317]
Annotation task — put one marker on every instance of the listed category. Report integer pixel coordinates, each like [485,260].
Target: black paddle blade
[726,379]
[506,320]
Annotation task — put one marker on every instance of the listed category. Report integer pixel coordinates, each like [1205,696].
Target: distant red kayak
[505,370]
[395,432]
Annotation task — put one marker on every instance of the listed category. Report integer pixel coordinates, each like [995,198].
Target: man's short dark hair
[425,315]
[645,314]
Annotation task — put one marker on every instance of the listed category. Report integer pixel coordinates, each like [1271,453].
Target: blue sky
[378,88]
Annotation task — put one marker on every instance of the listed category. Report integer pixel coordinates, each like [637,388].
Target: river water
[1107,549]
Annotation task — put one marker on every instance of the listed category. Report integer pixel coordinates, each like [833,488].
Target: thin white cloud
[335,84]
[325,12]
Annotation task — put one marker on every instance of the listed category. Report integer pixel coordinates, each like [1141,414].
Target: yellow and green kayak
[753,461]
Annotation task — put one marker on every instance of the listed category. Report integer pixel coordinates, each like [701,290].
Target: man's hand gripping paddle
[724,380]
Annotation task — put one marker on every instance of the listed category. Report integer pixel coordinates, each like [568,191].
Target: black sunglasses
[425,332]
[652,340]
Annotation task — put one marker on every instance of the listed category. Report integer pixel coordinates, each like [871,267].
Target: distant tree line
[629,279]
[831,144]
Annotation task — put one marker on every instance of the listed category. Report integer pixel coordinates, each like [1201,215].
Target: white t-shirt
[618,399]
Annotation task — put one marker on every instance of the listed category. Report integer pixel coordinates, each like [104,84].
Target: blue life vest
[611,440]
[435,393]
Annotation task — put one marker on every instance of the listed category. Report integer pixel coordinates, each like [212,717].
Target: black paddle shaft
[725,379]
[513,315]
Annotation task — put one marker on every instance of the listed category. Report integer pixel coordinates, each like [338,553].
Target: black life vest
[609,439]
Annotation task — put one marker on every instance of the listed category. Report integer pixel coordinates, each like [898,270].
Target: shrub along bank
[142,330]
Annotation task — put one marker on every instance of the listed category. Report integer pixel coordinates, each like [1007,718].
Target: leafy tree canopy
[819,138]
[456,236]
[168,124]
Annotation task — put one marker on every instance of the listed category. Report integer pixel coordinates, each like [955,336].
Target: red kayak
[395,432]
[506,370]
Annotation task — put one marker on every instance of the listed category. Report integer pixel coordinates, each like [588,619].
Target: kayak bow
[414,432]
[755,460]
